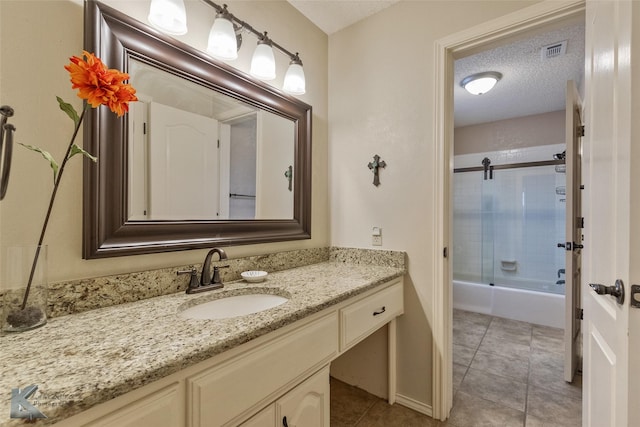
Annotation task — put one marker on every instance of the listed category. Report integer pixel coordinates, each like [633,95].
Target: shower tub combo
[536,307]
[508,216]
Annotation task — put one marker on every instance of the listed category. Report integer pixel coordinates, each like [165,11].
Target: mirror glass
[196,154]
[163,182]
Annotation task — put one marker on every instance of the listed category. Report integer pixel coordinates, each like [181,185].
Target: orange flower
[100,85]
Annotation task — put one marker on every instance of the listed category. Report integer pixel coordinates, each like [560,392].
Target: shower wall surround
[76,296]
[506,229]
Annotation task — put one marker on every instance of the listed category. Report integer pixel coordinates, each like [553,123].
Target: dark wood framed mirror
[109,229]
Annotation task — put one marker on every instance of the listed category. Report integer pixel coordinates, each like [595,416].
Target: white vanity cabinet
[284,373]
[307,405]
[224,394]
[160,408]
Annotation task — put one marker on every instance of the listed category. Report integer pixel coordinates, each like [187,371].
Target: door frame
[471,40]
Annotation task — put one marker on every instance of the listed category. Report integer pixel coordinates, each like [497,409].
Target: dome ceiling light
[480,83]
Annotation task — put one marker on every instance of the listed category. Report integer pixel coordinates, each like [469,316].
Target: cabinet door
[307,405]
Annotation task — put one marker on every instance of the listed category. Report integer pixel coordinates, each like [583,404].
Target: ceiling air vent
[555,49]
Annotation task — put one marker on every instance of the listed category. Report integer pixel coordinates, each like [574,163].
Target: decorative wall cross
[374,166]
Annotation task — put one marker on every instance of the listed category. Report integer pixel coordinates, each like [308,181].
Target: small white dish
[254,276]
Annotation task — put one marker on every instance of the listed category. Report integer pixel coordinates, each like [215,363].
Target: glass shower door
[473,228]
[528,222]
[506,228]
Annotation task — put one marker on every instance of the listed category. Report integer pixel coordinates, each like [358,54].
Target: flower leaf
[47,156]
[68,108]
[77,150]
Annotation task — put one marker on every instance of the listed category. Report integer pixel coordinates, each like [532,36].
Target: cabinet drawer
[361,318]
[221,394]
[162,408]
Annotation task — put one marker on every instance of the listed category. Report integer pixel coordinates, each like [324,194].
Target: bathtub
[518,304]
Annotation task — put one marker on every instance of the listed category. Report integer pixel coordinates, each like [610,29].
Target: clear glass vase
[17,266]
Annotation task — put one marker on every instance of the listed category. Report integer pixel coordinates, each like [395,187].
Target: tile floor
[505,373]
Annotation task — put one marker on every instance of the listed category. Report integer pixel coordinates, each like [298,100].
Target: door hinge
[579,313]
[445,252]
[580,222]
[144,128]
[218,143]
[581,130]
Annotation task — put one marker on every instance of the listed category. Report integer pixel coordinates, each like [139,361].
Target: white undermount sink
[233,306]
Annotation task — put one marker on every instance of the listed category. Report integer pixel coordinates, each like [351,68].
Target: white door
[573,160]
[610,198]
[183,164]
[274,157]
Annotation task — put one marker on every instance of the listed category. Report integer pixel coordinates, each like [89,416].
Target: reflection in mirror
[196,154]
[145,196]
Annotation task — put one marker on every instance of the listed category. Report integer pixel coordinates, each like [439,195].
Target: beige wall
[530,131]
[381,95]
[380,85]
[36,40]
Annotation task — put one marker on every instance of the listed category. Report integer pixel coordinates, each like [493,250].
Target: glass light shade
[480,83]
[168,16]
[222,40]
[263,64]
[294,81]
[480,86]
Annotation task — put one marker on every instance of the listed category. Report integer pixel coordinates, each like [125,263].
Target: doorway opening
[516,176]
[509,187]
[508,217]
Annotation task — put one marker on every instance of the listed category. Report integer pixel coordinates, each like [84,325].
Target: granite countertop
[81,360]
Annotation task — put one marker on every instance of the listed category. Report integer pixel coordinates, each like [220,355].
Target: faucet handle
[193,278]
[216,274]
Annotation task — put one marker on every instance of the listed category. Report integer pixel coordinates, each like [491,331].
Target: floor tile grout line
[507,377]
[526,394]
[365,413]
[475,352]
[528,383]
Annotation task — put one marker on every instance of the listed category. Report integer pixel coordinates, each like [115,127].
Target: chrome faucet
[207,282]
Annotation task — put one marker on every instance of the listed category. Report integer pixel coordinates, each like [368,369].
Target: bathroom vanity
[142,364]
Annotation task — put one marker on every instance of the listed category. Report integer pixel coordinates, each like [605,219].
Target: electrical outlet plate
[376,240]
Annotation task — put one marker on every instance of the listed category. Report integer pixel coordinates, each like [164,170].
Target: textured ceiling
[529,85]
[331,15]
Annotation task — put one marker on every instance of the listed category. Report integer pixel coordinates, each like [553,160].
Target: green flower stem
[51,200]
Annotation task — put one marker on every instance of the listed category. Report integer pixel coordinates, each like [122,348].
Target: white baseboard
[410,403]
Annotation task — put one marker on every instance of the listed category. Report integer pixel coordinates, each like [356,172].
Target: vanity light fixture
[263,63]
[223,43]
[294,81]
[477,84]
[169,16]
